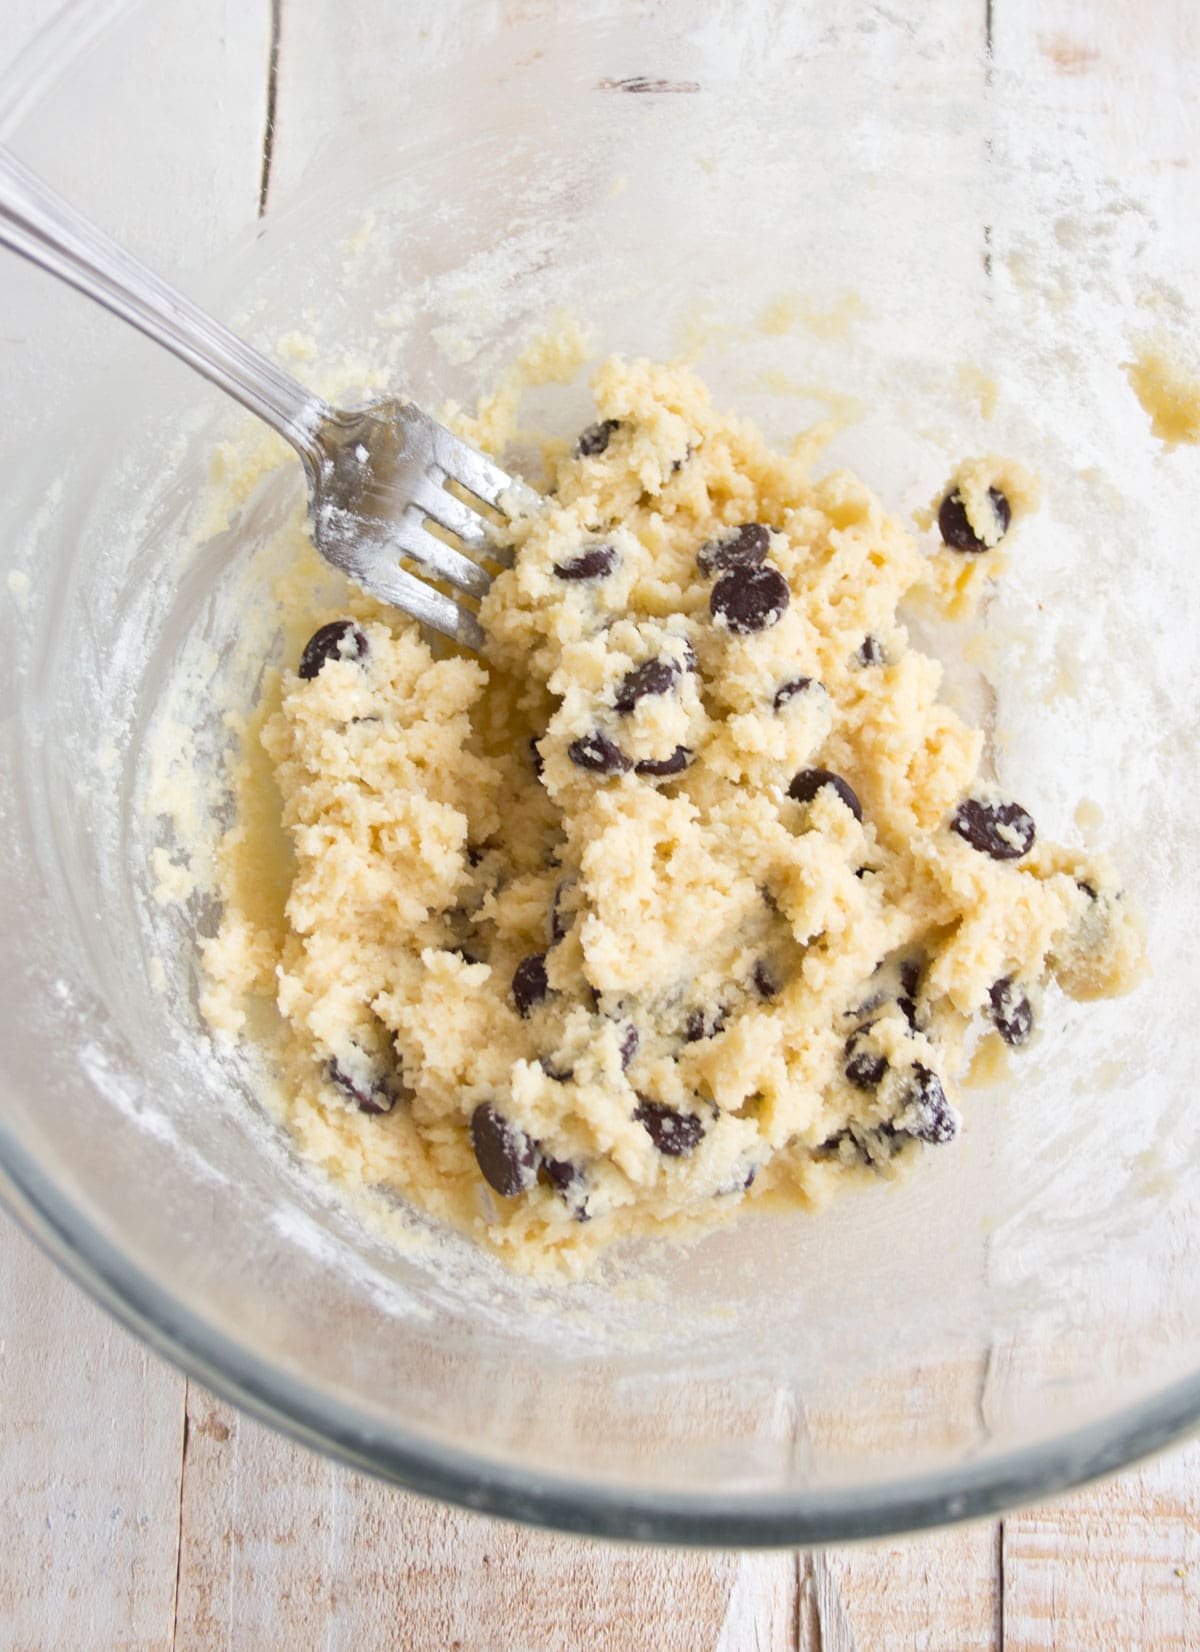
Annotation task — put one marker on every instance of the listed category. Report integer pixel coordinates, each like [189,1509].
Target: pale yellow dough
[744,936]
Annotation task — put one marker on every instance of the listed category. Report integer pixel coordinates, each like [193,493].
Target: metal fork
[379,476]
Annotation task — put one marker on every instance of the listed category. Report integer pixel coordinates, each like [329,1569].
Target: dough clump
[691,892]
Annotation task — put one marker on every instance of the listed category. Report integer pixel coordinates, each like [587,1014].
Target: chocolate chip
[630,1043]
[660,766]
[561,1173]
[593,563]
[830,1148]
[505,1154]
[788,691]
[597,752]
[379,1097]
[1002,830]
[467,957]
[957,531]
[678,464]
[739,1182]
[538,763]
[743,547]
[870,652]
[560,921]
[690,662]
[1011,1012]
[924,1111]
[654,677]
[567,1181]
[805,786]
[864,1068]
[908,1010]
[560,1075]
[699,1025]
[595,439]
[339,640]
[674,1134]
[749,599]
[529,984]
[910,976]
[764,980]
[1087,888]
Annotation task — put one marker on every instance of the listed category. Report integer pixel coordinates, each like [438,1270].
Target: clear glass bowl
[832,211]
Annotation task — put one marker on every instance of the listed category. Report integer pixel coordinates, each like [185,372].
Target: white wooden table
[138,1512]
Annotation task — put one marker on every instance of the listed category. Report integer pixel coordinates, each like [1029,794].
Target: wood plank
[281,1548]
[936,1593]
[90,1448]
[1117,1565]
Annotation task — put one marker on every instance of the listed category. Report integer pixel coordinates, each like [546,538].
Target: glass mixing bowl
[852,212]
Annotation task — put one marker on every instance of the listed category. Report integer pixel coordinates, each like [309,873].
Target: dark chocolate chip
[654,677]
[749,599]
[928,1113]
[739,1182]
[379,1098]
[743,547]
[529,984]
[505,1154]
[674,1134]
[339,640]
[594,563]
[908,1010]
[1087,888]
[678,464]
[560,1075]
[561,1173]
[829,1148]
[656,767]
[630,1042]
[567,1181]
[597,752]
[690,662]
[1011,1012]
[538,762]
[595,439]
[700,1025]
[764,980]
[788,691]
[870,652]
[864,1068]
[910,976]
[808,783]
[955,529]
[474,854]
[560,921]
[1002,830]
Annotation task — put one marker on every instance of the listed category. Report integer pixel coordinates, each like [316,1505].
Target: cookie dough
[689,895]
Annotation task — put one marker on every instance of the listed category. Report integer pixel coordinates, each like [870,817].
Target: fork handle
[37,223]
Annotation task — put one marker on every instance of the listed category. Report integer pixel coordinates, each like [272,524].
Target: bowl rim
[970,1491]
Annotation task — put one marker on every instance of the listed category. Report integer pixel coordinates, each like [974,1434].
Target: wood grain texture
[282,1548]
[1117,1565]
[91,1430]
